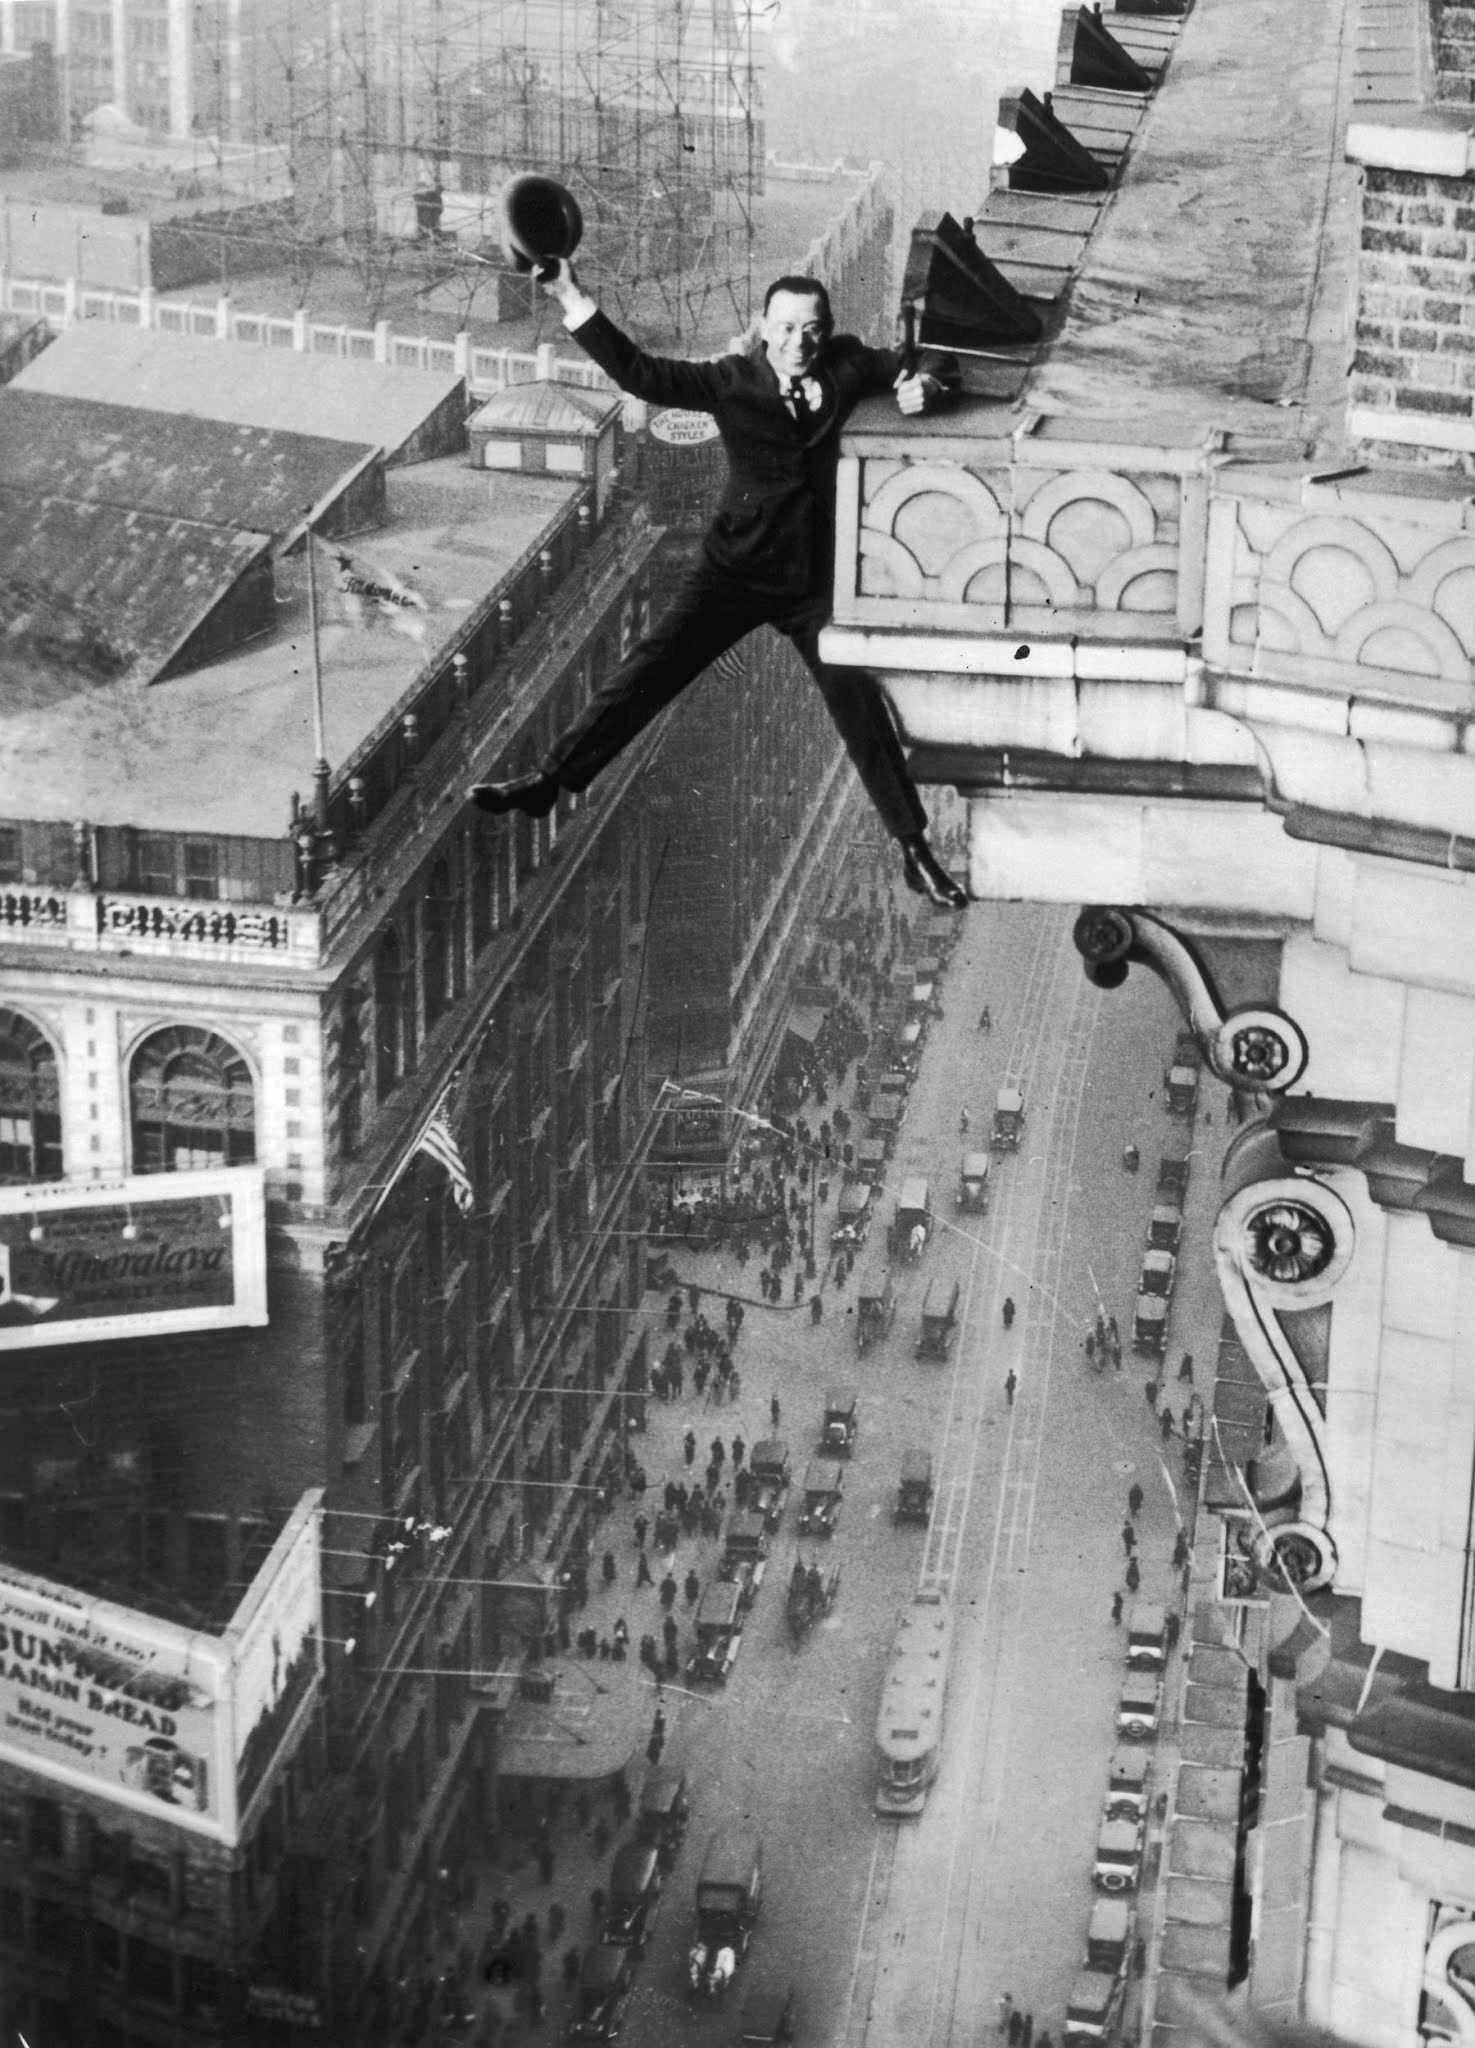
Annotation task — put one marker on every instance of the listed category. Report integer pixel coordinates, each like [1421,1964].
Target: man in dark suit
[768,557]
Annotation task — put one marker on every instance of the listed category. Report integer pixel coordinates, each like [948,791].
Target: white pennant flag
[368,592]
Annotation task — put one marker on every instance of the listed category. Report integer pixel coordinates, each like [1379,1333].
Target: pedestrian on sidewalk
[668,1591]
[798,1287]
[643,1575]
[719,1452]
[607,1568]
[689,1446]
[1185,1370]
[1027,2032]
[1116,1607]
[1172,1628]
[1011,1381]
[739,1452]
[1008,1312]
[816,1307]
[641,1525]
[1180,1550]
[693,1587]
[774,1410]
[1134,1500]
[1015,2028]
[1165,1421]
[1129,1538]
[1149,1393]
[1134,1575]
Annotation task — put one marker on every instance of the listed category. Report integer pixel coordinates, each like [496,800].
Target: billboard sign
[153,1715]
[681,429]
[145,1256]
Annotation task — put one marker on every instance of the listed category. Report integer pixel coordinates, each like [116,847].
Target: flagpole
[319,738]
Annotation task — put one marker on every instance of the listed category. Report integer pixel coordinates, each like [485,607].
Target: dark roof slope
[211,472]
[90,592]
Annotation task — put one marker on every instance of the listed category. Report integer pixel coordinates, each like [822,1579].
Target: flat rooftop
[332,397]
[223,749]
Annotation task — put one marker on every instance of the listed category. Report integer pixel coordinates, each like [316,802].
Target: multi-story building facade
[1180,597]
[399,1048]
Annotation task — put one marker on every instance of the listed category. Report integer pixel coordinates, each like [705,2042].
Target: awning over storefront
[592,1726]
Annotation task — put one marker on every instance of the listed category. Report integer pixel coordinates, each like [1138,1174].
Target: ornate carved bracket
[1451,1987]
[1283,1244]
[1258,1048]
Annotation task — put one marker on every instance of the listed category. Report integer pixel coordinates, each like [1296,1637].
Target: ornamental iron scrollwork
[1283,1245]
[1257,1049]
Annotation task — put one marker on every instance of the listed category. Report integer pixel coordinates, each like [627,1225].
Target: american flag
[438,1142]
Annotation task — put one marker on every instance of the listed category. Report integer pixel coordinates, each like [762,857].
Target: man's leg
[857,704]
[708,616]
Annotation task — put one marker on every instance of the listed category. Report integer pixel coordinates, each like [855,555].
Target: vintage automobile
[745,1547]
[939,1319]
[870,1161]
[664,1810]
[1117,1866]
[768,2019]
[602,1998]
[838,1431]
[811,1595]
[769,1479]
[1008,1127]
[914,1490]
[1139,1706]
[1159,1272]
[1128,1777]
[633,1895]
[1150,1325]
[824,1484]
[720,1614]
[1147,1635]
[875,1309]
[973,1184]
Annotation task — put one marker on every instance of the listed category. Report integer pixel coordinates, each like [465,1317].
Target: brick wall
[1453,24]
[1415,317]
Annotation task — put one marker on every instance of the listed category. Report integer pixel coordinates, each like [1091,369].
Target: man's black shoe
[534,794]
[925,874]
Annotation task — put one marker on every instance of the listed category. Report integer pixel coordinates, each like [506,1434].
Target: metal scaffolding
[411,114]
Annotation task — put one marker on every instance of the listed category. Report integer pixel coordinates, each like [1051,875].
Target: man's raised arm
[661,380]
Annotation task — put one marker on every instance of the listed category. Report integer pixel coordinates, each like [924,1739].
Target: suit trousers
[712,612]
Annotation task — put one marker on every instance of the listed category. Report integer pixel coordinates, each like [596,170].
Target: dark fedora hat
[540,221]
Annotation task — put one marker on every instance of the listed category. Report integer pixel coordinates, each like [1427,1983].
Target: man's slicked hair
[804,288]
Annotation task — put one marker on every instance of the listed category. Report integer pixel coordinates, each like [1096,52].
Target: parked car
[665,1809]
[634,1893]
[602,1998]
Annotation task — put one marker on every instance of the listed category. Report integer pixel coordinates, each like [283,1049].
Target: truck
[730,1890]
[912,1226]
[1165,1227]
[870,1161]
[875,1308]
[853,1218]
[1182,1086]
[939,1319]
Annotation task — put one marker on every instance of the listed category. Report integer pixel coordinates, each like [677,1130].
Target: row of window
[191,1099]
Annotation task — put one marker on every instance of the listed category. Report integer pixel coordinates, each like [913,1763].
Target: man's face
[793,333]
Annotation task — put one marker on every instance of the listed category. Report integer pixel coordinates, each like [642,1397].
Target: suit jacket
[775,526]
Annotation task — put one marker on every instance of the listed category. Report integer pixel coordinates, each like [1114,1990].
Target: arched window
[30,1103]
[192,1103]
